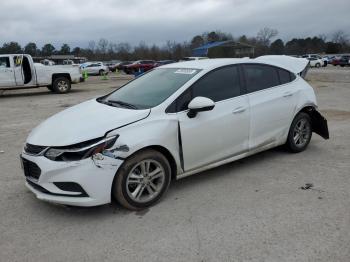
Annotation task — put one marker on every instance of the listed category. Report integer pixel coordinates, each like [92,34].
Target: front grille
[31,169]
[33,149]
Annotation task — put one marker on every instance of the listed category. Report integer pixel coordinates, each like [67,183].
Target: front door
[7,78]
[221,133]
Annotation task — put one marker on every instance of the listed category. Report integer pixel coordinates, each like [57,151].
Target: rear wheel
[300,133]
[61,85]
[101,72]
[318,65]
[142,180]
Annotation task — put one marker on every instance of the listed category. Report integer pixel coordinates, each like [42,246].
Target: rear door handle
[287,94]
[238,110]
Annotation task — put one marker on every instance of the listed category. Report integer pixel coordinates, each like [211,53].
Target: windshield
[150,89]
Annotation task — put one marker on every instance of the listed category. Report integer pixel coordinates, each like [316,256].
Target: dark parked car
[111,66]
[139,66]
[164,62]
[120,66]
[336,60]
[344,60]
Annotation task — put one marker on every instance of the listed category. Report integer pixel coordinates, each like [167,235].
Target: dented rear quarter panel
[305,96]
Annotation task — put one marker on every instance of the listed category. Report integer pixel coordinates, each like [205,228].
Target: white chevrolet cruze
[174,121]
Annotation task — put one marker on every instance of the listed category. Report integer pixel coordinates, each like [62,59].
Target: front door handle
[238,110]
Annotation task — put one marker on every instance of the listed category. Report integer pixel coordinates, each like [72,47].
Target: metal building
[224,49]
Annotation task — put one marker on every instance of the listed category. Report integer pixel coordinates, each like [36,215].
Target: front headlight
[81,150]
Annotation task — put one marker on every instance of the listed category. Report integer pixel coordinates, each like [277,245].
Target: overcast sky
[76,22]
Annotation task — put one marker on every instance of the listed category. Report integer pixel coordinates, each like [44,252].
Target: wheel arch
[164,151]
[66,75]
[161,149]
[318,122]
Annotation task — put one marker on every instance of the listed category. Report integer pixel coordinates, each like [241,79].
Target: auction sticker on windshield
[185,71]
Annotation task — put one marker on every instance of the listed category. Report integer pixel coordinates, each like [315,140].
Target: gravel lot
[249,210]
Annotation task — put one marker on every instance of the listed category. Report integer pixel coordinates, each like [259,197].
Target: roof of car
[206,63]
[295,65]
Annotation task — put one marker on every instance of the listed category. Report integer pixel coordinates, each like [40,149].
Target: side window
[220,84]
[4,62]
[285,76]
[292,77]
[259,77]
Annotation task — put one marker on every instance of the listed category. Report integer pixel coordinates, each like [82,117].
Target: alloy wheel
[62,86]
[145,181]
[301,132]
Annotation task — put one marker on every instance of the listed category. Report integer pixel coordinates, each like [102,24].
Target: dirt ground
[250,210]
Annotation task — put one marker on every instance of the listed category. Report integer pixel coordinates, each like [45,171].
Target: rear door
[218,134]
[271,101]
[7,78]
[92,68]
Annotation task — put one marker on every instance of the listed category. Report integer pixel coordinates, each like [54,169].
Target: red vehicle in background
[336,61]
[139,66]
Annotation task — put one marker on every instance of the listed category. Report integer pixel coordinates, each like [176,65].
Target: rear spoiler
[299,66]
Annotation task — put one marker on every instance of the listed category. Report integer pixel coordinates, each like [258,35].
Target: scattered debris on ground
[307,186]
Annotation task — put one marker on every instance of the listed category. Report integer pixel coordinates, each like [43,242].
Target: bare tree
[340,37]
[92,46]
[102,45]
[265,35]
[323,37]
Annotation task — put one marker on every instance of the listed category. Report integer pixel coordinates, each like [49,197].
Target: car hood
[85,121]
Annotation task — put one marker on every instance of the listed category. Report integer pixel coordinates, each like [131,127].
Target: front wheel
[142,180]
[101,72]
[300,133]
[318,65]
[61,85]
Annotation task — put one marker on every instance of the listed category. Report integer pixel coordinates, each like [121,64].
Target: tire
[101,72]
[61,85]
[301,125]
[132,187]
[318,65]
[50,88]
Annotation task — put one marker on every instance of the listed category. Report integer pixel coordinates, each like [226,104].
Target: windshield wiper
[121,103]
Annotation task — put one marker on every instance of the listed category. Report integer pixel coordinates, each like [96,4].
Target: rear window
[285,76]
[259,77]
[4,62]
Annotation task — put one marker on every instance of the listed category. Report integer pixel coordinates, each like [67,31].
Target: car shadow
[22,93]
[176,185]
[232,167]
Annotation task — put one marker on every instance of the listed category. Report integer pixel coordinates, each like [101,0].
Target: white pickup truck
[18,71]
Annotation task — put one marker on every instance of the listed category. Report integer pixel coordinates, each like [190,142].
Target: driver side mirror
[199,104]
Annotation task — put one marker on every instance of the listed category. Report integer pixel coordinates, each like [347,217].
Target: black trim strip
[45,191]
[180,146]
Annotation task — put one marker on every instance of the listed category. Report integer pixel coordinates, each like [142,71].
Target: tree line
[103,49]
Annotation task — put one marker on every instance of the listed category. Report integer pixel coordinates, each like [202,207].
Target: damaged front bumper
[319,123]
[87,182]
